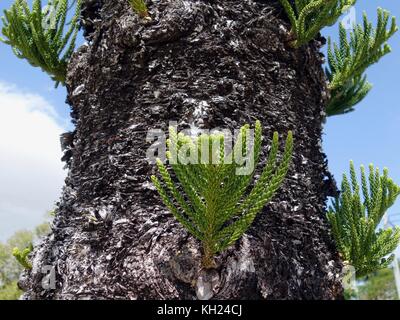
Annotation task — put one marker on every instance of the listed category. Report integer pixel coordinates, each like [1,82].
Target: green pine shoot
[38,36]
[355,219]
[22,256]
[349,60]
[210,197]
[308,17]
[140,8]
[344,98]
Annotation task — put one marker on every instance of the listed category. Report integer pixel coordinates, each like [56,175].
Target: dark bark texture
[203,63]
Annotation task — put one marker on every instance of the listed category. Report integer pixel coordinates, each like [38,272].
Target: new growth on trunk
[211,201]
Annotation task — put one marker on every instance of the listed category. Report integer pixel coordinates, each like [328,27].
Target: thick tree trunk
[204,63]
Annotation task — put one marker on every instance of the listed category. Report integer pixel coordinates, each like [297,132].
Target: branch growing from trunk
[214,206]
[308,17]
[22,256]
[349,60]
[354,221]
[38,36]
[140,8]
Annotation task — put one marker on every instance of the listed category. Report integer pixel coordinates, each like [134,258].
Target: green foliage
[210,200]
[308,17]
[10,268]
[10,291]
[344,98]
[354,220]
[350,294]
[378,286]
[22,256]
[349,60]
[140,8]
[38,36]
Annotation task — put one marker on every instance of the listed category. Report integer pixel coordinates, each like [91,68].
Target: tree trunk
[203,63]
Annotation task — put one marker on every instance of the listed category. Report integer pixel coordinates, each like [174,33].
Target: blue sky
[370,134]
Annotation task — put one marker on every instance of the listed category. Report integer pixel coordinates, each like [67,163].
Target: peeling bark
[204,63]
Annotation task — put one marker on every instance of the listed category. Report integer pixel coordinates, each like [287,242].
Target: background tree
[10,269]
[378,286]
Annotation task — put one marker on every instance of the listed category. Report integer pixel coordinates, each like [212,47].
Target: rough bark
[204,63]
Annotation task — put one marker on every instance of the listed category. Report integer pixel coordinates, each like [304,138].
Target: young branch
[348,61]
[355,218]
[308,17]
[38,36]
[210,200]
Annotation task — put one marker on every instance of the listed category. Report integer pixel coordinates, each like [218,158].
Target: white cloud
[31,174]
